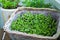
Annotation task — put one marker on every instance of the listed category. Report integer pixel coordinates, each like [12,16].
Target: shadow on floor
[58,38]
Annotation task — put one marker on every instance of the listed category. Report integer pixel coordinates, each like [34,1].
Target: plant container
[16,35]
[6,13]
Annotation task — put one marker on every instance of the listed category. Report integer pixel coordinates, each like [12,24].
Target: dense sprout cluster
[9,4]
[39,24]
[36,3]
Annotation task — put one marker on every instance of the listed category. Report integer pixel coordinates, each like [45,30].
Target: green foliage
[39,24]
[9,4]
[36,3]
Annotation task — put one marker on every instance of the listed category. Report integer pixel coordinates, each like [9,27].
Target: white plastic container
[1,20]
[6,13]
[16,35]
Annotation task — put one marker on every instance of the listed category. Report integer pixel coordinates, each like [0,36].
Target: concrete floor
[1,33]
[6,37]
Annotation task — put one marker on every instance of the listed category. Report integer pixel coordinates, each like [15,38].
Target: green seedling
[9,4]
[36,3]
[39,24]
